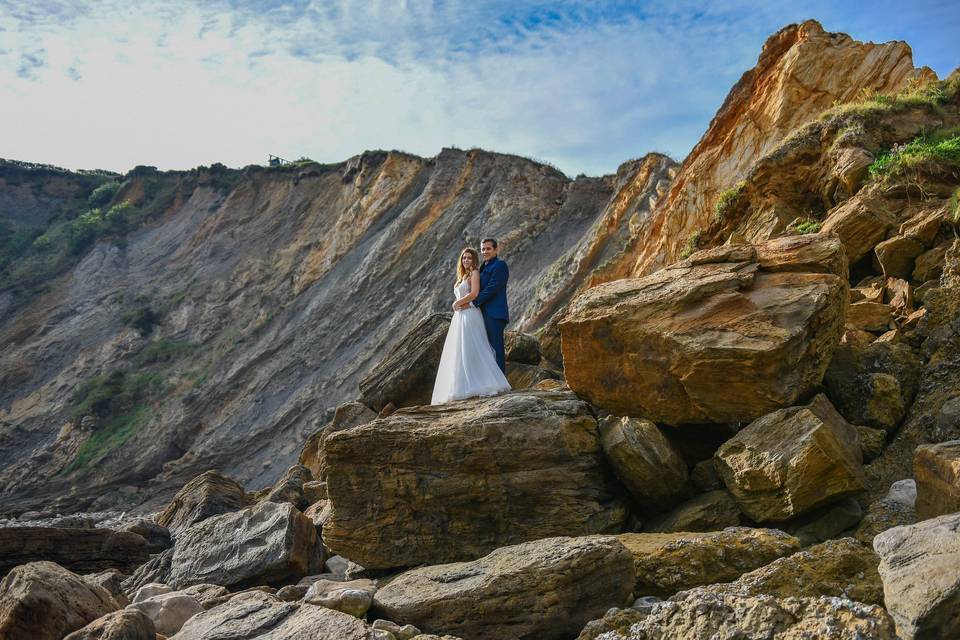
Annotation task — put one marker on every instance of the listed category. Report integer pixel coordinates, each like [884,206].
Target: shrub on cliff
[103,194]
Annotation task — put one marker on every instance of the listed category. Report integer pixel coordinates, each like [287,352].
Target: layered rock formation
[455,481]
[724,336]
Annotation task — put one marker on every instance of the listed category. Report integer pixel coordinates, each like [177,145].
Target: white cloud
[584,86]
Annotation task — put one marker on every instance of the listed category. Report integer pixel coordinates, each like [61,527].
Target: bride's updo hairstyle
[461,272]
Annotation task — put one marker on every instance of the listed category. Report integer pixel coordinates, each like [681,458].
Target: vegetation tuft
[870,105]
[808,225]
[937,152]
[727,200]
[693,243]
[121,402]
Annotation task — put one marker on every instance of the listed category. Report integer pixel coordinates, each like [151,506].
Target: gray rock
[125,624]
[260,615]
[157,536]
[169,610]
[44,601]
[209,494]
[157,569]
[208,595]
[150,590]
[399,632]
[920,568]
[645,461]
[112,581]
[353,597]
[547,589]
[263,544]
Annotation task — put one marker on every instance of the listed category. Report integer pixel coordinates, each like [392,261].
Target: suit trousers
[495,327]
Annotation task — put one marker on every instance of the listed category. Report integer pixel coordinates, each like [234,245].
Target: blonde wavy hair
[461,272]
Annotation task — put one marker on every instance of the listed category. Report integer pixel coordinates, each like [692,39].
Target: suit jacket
[492,299]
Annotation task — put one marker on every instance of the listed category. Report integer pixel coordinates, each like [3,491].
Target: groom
[492,299]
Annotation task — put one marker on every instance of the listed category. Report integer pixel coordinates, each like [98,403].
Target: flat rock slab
[841,568]
[44,601]
[666,563]
[791,461]
[263,544]
[721,337]
[920,569]
[546,589]
[79,550]
[453,482]
[265,617]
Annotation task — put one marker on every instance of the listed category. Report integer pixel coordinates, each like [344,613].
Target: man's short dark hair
[492,241]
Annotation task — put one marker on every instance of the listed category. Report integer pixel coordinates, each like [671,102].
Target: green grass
[955,206]
[935,152]
[727,199]
[870,106]
[110,436]
[121,403]
[103,194]
[162,351]
[693,243]
[808,225]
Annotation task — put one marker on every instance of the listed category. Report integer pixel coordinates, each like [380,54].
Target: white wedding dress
[468,365]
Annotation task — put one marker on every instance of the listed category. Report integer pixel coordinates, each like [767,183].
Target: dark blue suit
[492,301]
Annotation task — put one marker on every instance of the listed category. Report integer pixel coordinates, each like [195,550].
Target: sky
[585,86]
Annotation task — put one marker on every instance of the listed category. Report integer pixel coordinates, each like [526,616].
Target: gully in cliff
[473,362]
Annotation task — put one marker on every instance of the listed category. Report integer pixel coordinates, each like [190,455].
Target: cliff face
[270,294]
[231,311]
[802,71]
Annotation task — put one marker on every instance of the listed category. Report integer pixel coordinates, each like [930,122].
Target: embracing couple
[473,363]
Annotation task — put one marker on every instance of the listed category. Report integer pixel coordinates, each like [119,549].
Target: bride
[468,366]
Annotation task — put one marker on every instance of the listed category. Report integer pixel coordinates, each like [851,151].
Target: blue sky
[583,85]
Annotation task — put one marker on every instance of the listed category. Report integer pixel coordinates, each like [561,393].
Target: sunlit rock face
[802,70]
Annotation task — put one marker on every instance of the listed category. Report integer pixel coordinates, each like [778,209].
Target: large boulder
[699,613]
[546,589]
[406,374]
[841,568]
[727,335]
[263,544]
[209,494]
[125,624]
[346,415]
[44,601]
[873,385]
[920,569]
[80,550]
[666,563]
[455,481]
[936,468]
[260,615]
[645,461]
[792,461]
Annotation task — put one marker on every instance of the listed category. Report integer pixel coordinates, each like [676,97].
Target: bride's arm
[463,302]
